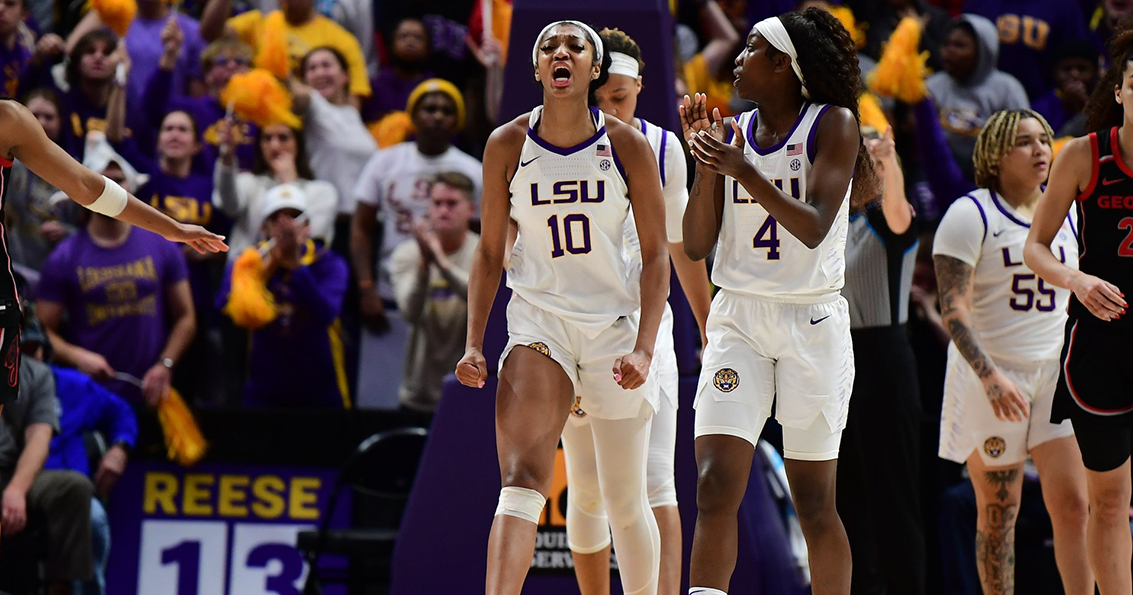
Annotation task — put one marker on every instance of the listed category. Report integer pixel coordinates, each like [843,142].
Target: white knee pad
[588,528]
[522,503]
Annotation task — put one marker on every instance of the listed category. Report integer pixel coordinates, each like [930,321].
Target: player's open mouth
[560,76]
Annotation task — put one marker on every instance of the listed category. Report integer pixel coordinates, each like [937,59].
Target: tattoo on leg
[1003,479]
[995,550]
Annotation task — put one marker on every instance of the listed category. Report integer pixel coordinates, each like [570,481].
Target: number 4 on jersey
[768,237]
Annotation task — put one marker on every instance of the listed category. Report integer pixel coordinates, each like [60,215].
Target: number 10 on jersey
[575,236]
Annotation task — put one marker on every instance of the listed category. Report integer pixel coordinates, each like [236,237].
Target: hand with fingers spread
[694,117]
[1008,403]
[472,370]
[1103,299]
[630,371]
[718,156]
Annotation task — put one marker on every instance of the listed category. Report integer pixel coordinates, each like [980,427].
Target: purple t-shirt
[15,62]
[143,41]
[189,200]
[114,299]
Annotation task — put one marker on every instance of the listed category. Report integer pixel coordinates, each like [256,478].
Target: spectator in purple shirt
[219,61]
[124,295]
[22,64]
[1075,76]
[408,67]
[296,360]
[91,76]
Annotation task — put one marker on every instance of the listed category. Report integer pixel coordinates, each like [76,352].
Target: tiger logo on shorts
[576,409]
[541,347]
[726,379]
[994,446]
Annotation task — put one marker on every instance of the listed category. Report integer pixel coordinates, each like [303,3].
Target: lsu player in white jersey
[580,320]
[774,204]
[1003,363]
[588,532]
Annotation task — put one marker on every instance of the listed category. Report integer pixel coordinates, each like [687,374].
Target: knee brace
[522,503]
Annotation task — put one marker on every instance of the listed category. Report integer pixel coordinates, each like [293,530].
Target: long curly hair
[829,63]
[1102,111]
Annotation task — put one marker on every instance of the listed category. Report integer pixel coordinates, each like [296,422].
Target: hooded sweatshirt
[966,105]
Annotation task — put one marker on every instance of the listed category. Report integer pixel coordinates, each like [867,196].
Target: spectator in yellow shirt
[306,30]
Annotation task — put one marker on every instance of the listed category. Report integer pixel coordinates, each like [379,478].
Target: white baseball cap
[284,196]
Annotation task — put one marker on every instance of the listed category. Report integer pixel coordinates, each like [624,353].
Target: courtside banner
[216,529]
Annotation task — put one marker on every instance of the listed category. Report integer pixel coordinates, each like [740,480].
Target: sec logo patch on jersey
[995,446]
[726,380]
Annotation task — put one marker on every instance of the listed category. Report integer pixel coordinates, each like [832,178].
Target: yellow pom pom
[869,108]
[250,304]
[393,128]
[901,71]
[844,14]
[273,55]
[1057,145]
[258,96]
[184,442]
[116,14]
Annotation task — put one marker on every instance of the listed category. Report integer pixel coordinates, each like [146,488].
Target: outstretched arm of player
[808,220]
[1072,172]
[645,197]
[501,157]
[954,278]
[705,211]
[50,162]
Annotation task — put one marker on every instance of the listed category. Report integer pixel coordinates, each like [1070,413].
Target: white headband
[775,33]
[597,41]
[623,64]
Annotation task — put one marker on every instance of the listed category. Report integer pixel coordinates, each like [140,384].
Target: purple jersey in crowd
[143,41]
[114,299]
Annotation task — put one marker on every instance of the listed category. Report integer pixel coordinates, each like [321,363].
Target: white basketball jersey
[571,206]
[662,142]
[757,256]
[1016,315]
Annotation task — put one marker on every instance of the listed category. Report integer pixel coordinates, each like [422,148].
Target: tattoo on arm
[954,279]
[995,540]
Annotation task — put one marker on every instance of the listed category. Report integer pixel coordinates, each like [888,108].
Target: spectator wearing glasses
[219,61]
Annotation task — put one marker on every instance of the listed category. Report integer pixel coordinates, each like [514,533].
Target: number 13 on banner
[193,556]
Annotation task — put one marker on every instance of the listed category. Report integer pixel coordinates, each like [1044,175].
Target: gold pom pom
[116,14]
[869,108]
[844,14]
[901,71]
[258,96]
[273,55]
[1056,146]
[250,304]
[184,442]
[393,128]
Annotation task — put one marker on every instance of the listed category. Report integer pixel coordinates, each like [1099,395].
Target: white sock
[705,591]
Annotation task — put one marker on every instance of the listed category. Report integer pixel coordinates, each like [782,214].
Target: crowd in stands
[359,215]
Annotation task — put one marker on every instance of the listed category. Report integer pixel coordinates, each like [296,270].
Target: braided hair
[1102,111]
[829,65]
[997,139]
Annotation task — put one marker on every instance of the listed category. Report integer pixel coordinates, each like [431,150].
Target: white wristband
[112,201]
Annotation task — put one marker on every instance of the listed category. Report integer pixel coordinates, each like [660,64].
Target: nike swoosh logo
[526,163]
[814,322]
[996,234]
[1106,182]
